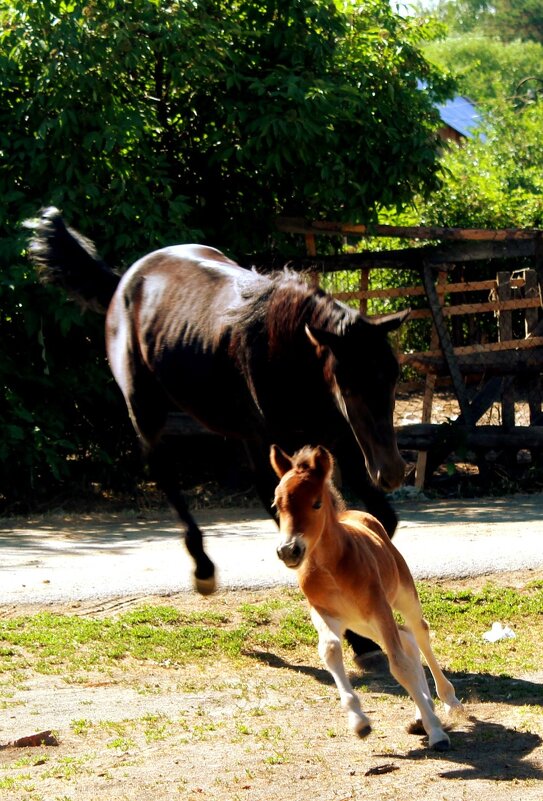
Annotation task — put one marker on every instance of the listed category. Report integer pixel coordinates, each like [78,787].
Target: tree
[155,122]
[507,19]
[495,183]
[518,19]
[179,117]
[486,68]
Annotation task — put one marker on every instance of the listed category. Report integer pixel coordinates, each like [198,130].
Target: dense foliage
[495,182]
[507,19]
[487,69]
[151,122]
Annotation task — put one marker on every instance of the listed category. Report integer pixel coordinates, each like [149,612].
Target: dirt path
[269,728]
[266,729]
[69,558]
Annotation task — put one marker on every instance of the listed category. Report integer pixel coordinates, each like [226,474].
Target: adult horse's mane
[286,304]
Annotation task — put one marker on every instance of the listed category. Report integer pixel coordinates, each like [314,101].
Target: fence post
[505,333]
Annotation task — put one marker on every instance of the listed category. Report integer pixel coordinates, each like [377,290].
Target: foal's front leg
[330,632]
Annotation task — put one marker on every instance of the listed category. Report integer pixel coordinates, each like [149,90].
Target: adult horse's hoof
[206,586]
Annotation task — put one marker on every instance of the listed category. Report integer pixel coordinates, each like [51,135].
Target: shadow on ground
[481,749]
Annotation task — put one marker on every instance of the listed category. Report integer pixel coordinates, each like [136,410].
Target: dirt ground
[266,728]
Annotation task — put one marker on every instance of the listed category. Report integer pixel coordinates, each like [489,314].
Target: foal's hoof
[442,745]
[206,586]
[363,730]
[415,727]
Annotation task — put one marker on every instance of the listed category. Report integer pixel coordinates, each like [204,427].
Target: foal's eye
[317,504]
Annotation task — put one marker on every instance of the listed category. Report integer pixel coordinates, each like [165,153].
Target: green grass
[73,645]
[460,619]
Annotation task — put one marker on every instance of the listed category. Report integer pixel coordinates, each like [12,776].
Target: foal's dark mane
[302,464]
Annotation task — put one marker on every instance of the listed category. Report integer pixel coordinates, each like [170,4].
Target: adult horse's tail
[65,258]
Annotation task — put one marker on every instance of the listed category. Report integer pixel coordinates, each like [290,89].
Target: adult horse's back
[267,359]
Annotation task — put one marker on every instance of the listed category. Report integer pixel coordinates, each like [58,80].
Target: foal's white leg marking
[330,632]
[407,671]
[444,688]
[411,648]
[412,611]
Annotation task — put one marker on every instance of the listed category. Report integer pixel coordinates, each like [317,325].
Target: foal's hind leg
[409,605]
[407,671]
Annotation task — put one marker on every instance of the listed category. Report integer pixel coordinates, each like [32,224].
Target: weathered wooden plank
[466,350]
[505,333]
[396,259]
[508,362]
[428,399]
[445,341]
[296,225]
[424,436]
[416,291]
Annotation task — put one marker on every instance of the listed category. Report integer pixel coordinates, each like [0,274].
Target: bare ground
[267,728]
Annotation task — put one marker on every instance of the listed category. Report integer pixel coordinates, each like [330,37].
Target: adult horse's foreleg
[353,467]
[162,471]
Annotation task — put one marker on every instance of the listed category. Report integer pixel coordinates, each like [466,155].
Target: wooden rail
[439,249]
[297,225]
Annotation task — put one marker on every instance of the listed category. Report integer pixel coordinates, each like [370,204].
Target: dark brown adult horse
[266,359]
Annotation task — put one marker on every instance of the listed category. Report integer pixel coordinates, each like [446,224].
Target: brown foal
[353,578]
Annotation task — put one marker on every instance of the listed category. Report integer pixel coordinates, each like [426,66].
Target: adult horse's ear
[321,339]
[280,462]
[391,322]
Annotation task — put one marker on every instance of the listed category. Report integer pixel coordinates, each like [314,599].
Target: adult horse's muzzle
[390,475]
[377,440]
[292,552]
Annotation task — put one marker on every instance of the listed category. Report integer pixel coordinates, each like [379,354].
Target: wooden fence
[481,373]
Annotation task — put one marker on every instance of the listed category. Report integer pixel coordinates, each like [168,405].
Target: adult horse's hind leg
[148,408]
[354,471]
[162,471]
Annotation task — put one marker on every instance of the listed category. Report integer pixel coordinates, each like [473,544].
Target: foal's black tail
[65,258]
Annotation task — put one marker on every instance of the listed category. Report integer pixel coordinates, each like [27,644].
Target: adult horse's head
[362,371]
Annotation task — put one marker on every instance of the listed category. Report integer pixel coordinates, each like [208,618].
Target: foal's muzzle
[291,552]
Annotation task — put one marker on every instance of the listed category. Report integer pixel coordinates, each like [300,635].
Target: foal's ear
[280,462]
[323,461]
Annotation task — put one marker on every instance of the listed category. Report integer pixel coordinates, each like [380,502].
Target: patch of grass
[73,645]
[81,727]
[460,618]
[31,760]
[66,768]
[156,728]
[21,781]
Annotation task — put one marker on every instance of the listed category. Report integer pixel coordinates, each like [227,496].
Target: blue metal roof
[460,114]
